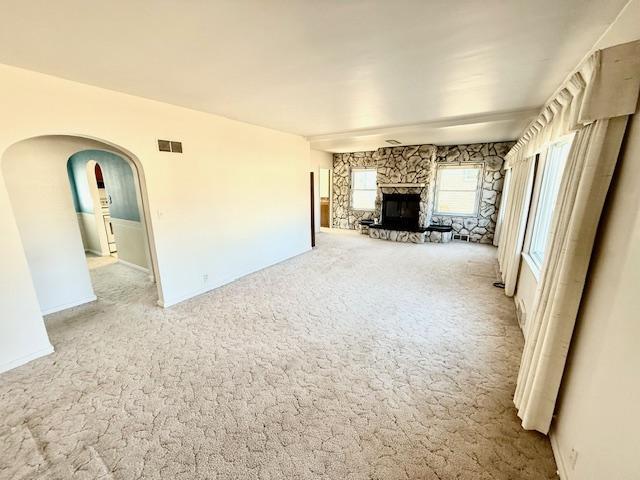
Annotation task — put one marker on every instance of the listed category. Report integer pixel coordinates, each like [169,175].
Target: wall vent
[169,146]
[460,236]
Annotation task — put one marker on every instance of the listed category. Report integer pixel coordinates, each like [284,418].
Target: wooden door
[324,212]
[313,211]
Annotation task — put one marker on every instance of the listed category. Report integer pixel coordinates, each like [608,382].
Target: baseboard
[59,308]
[223,282]
[95,252]
[193,294]
[26,359]
[133,265]
[557,454]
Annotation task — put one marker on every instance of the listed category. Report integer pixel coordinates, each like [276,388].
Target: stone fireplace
[411,170]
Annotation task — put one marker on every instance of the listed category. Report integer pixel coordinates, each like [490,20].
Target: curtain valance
[605,86]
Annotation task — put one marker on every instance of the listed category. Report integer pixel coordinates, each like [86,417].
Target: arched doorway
[37,180]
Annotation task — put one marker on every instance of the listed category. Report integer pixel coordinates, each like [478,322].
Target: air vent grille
[170,146]
[460,236]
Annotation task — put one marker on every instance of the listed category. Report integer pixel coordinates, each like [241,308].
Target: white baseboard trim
[58,308]
[182,298]
[26,359]
[133,265]
[557,454]
[208,288]
[95,252]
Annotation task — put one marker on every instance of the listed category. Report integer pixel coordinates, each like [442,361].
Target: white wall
[525,293]
[22,333]
[236,201]
[598,405]
[130,241]
[89,232]
[318,160]
[35,175]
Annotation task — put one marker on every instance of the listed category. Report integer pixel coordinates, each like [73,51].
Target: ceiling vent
[169,146]
[393,142]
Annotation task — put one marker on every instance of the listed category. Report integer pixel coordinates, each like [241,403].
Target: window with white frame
[552,167]
[363,188]
[457,189]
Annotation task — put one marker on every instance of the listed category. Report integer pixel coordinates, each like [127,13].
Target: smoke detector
[393,142]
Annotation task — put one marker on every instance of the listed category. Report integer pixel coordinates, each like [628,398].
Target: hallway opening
[73,196]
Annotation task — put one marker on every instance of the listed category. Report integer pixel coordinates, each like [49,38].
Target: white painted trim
[133,265]
[58,308]
[535,268]
[26,359]
[131,223]
[99,254]
[557,454]
[405,185]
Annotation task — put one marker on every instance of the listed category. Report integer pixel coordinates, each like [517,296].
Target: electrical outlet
[205,278]
[573,458]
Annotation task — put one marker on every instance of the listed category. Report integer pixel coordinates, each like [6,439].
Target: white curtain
[512,236]
[593,103]
[501,211]
[584,186]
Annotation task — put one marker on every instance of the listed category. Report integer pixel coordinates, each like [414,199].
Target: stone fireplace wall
[481,227]
[417,164]
[343,216]
[412,164]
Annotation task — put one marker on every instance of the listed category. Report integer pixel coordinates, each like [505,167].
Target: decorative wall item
[417,164]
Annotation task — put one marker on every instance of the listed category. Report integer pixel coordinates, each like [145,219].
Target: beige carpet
[363,359]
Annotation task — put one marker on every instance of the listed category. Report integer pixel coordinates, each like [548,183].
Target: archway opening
[53,213]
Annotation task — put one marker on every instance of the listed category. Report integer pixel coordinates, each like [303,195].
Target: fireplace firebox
[401,211]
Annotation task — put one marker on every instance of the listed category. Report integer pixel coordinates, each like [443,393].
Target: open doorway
[324,185]
[108,207]
[103,210]
[56,190]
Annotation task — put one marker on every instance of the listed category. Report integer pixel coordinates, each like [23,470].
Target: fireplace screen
[400,211]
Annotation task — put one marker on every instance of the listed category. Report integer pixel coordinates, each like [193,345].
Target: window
[552,168]
[457,189]
[363,188]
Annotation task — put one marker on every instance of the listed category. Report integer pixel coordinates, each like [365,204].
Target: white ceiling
[346,74]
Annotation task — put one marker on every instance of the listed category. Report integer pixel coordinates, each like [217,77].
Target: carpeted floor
[363,359]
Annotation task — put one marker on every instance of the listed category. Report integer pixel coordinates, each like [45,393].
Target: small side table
[364,226]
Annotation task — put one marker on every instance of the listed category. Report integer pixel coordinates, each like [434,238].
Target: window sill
[466,215]
[532,265]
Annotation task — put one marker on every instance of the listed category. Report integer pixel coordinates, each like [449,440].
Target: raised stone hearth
[398,236]
[412,237]
[439,237]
